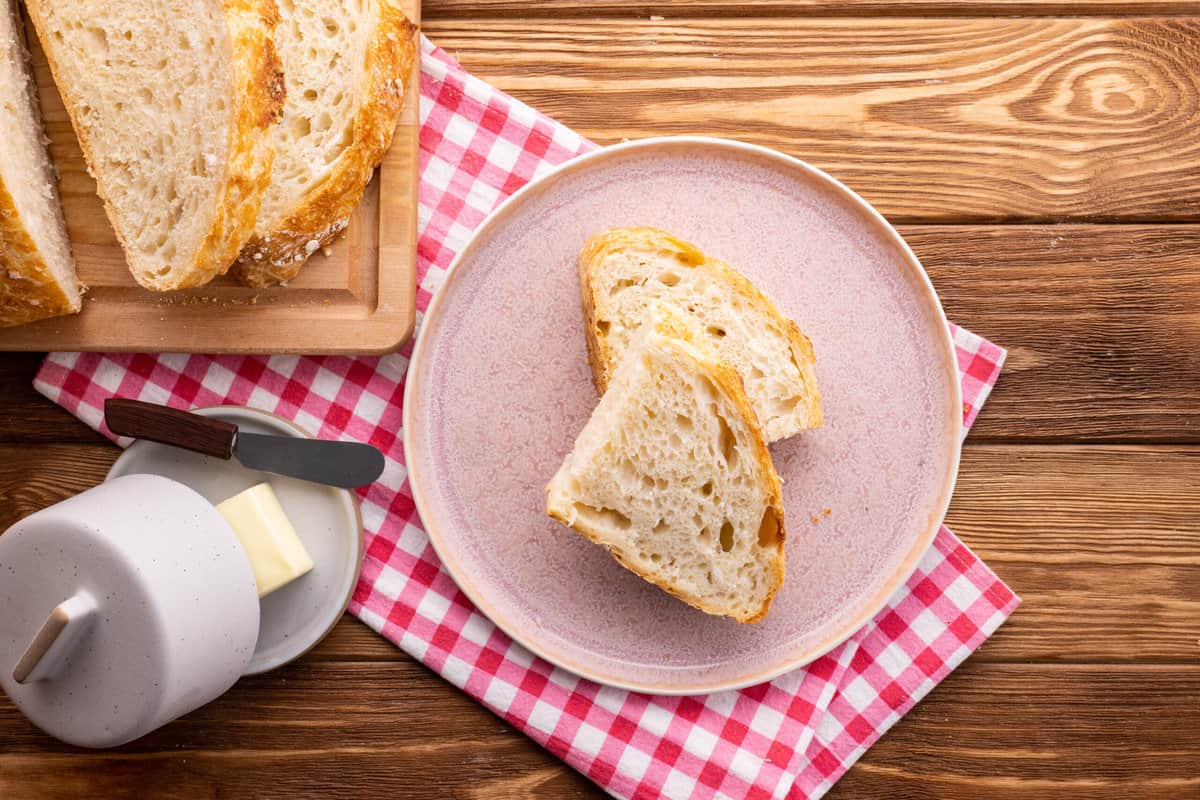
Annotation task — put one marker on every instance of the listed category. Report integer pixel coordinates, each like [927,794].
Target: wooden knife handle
[212,437]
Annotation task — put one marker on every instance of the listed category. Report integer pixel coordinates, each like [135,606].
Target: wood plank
[382,730]
[328,730]
[1016,732]
[32,478]
[932,120]
[1103,543]
[26,416]
[1102,323]
[351,640]
[441,9]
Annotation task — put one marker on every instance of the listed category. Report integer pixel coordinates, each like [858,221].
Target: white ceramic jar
[124,607]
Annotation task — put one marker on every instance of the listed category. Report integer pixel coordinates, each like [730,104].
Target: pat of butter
[276,552]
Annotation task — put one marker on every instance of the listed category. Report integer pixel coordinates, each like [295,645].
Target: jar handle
[55,640]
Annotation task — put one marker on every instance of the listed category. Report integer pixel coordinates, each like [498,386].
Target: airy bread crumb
[672,475]
[173,102]
[622,272]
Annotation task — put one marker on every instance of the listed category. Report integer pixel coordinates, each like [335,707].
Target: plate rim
[289,428]
[868,610]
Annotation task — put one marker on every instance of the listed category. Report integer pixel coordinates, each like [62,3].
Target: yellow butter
[276,552]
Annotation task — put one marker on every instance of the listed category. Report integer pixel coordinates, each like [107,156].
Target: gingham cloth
[792,737]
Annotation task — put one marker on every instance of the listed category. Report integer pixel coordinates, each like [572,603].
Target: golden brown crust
[28,289]
[804,358]
[600,355]
[597,351]
[680,336]
[324,213]
[258,85]
[256,92]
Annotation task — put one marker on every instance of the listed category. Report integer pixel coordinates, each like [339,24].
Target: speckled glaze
[328,521]
[500,386]
[176,608]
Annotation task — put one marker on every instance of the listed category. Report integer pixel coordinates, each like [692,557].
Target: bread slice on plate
[624,271]
[173,102]
[672,475]
[347,66]
[37,274]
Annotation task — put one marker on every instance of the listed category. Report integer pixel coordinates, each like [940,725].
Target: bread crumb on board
[197,299]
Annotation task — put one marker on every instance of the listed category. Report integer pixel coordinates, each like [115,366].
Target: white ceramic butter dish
[327,520]
[124,607]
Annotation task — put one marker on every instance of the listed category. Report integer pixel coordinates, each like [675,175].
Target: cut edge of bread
[601,357]
[673,330]
[34,283]
[29,288]
[258,73]
[257,91]
[324,211]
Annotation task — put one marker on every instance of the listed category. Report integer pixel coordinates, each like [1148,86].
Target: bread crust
[681,338]
[28,289]
[600,354]
[325,211]
[257,94]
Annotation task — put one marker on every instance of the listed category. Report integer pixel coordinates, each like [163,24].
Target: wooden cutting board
[357,298]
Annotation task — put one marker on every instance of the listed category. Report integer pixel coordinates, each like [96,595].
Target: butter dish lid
[121,605]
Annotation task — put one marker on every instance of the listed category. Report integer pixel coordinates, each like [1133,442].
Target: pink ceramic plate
[499,387]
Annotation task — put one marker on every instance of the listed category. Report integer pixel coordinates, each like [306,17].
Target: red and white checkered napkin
[792,737]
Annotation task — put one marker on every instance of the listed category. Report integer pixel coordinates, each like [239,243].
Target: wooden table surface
[1043,159]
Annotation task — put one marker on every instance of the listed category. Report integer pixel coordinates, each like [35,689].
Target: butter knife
[343,464]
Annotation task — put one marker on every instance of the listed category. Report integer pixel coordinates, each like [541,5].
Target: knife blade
[342,464]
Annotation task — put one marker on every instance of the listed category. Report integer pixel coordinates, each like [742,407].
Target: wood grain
[1103,544]
[1102,323]
[1087,731]
[1092,689]
[173,426]
[26,416]
[317,730]
[932,120]
[341,730]
[441,9]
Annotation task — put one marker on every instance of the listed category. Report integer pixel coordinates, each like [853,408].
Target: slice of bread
[347,66]
[672,475]
[624,271]
[37,274]
[173,102]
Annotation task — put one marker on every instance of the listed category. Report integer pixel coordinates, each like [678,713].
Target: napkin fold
[791,737]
